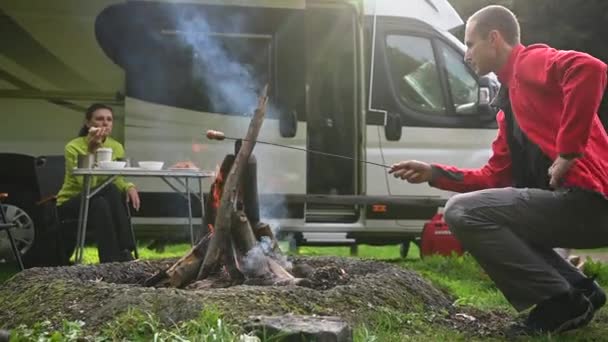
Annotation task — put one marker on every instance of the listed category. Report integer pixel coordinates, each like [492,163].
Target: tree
[563,24]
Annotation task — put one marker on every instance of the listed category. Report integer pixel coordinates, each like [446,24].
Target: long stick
[216,135]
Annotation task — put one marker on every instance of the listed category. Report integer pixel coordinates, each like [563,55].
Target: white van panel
[466,148]
[296,4]
[438,13]
[169,134]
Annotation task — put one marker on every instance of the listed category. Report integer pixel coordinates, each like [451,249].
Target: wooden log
[230,257]
[278,270]
[242,234]
[222,233]
[184,271]
[263,230]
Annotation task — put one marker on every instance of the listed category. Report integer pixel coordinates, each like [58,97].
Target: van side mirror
[288,124]
[487,90]
[392,129]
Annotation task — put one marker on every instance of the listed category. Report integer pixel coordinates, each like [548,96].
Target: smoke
[254,264]
[271,211]
[232,85]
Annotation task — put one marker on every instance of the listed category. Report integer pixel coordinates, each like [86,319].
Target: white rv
[381,81]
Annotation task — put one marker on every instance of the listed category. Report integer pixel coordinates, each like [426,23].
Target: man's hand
[412,171]
[133,198]
[558,170]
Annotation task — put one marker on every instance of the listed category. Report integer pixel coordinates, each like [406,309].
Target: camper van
[372,80]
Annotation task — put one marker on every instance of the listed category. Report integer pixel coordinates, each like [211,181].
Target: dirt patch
[349,288]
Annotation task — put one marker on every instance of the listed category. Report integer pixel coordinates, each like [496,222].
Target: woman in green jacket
[107,211]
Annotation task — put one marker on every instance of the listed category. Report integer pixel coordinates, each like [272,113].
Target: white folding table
[181,176]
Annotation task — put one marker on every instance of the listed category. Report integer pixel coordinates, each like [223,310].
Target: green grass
[171,251]
[135,325]
[459,276]
[364,251]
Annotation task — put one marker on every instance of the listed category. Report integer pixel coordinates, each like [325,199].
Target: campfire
[238,248]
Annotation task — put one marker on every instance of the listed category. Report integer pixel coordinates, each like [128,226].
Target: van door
[421,80]
[332,109]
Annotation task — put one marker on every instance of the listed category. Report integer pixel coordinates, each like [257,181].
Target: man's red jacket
[555,96]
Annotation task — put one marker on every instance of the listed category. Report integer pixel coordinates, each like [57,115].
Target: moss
[86,293]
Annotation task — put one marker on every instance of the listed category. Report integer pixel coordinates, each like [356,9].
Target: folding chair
[7,226]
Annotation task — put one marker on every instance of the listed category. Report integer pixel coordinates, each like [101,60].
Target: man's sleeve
[495,174]
[583,80]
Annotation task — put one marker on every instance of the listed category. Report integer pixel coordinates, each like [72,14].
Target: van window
[222,77]
[463,85]
[414,74]
[214,60]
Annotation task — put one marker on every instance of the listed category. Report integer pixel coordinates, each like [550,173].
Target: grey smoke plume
[254,263]
[231,84]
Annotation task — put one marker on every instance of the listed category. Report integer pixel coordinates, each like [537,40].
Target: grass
[170,251]
[459,276]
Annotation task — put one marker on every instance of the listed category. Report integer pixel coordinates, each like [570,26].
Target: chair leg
[135,252]
[15,250]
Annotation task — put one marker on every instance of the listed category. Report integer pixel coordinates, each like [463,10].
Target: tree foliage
[563,24]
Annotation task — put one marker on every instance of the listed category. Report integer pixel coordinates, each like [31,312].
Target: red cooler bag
[438,239]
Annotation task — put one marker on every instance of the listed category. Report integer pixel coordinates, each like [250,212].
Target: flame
[218,186]
[216,195]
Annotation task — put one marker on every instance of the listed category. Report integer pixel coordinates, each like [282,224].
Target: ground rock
[297,328]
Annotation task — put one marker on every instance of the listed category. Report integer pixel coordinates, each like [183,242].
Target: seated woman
[107,212]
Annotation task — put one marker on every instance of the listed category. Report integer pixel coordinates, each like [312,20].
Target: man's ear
[494,37]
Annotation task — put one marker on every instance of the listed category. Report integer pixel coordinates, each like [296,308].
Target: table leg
[189,210]
[84,212]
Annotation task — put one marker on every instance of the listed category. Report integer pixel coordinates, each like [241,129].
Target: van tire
[25,233]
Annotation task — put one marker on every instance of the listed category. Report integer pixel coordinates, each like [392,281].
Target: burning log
[262,231]
[185,269]
[221,237]
[245,247]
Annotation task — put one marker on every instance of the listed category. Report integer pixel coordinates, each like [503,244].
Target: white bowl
[151,165]
[112,164]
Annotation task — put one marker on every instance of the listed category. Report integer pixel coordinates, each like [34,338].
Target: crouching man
[546,183]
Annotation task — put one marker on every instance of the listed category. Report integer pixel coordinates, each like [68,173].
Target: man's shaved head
[496,18]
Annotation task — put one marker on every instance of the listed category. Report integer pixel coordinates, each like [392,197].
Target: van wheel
[24,233]
[404,249]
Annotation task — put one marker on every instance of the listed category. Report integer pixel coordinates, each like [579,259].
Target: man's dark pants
[107,218]
[512,232]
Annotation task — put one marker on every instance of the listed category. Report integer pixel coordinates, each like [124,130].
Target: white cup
[103,154]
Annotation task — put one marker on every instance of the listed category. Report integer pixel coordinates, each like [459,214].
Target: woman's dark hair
[84,130]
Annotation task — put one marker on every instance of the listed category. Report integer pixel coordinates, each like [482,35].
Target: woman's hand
[96,137]
[133,198]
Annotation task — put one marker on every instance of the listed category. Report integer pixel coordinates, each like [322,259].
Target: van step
[335,213]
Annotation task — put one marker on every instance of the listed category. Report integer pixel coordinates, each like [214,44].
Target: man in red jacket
[546,183]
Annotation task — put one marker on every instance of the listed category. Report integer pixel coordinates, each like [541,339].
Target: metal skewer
[217,135]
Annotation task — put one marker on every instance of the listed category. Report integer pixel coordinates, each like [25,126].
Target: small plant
[596,269]
[136,325]
[44,331]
